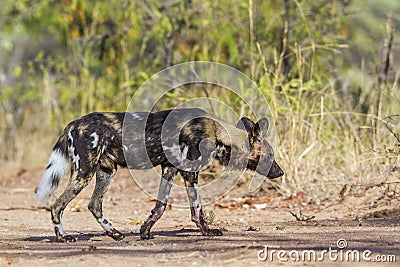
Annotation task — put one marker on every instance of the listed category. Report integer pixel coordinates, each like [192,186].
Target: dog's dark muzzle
[272,171]
[275,171]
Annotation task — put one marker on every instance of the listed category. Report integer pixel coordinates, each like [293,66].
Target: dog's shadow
[176,233]
[92,236]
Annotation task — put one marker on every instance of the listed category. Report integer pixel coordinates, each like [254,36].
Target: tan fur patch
[230,135]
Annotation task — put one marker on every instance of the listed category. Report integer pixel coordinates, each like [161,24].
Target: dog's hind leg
[104,178]
[167,179]
[77,182]
[191,184]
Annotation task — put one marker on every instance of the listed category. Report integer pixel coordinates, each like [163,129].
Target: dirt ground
[254,227]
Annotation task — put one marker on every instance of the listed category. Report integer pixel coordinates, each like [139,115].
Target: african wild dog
[181,141]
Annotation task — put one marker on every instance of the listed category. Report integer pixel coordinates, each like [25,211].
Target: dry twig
[301,217]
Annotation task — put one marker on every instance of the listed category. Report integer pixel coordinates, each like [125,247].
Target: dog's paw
[145,235]
[115,234]
[214,232]
[65,239]
[145,232]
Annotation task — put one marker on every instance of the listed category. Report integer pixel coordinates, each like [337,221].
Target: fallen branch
[301,217]
[22,208]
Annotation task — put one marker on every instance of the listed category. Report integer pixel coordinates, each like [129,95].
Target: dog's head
[261,158]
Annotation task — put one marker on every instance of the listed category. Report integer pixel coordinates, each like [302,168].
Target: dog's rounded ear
[261,127]
[246,124]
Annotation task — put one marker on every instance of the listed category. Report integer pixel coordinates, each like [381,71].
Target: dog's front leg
[195,204]
[167,179]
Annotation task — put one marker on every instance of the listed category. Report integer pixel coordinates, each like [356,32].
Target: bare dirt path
[250,231]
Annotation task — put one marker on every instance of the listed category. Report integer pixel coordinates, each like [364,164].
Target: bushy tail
[59,164]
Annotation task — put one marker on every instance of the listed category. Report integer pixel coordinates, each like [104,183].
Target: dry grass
[322,145]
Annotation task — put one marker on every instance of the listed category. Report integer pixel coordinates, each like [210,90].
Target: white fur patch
[71,150]
[111,157]
[75,160]
[136,116]
[70,135]
[196,202]
[105,224]
[175,151]
[59,225]
[95,140]
[184,152]
[57,168]
[60,228]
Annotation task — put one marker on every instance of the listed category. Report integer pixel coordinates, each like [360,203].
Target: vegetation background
[329,69]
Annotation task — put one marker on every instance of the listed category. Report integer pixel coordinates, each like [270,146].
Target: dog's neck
[232,156]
